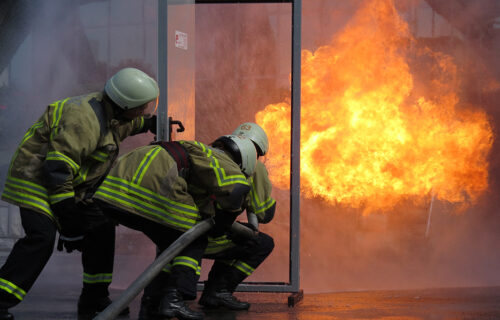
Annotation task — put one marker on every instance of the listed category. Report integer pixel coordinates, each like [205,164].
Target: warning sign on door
[181,40]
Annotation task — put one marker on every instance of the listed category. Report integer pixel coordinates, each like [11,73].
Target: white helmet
[130,88]
[255,133]
[242,150]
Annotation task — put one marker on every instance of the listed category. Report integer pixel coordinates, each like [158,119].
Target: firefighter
[236,257]
[164,189]
[57,167]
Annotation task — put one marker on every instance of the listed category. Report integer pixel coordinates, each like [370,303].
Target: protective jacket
[66,152]
[149,182]
[259,200]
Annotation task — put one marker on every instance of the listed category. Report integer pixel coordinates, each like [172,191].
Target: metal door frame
[163,133]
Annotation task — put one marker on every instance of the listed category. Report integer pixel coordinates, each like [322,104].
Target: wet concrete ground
[55,294]
[450,303]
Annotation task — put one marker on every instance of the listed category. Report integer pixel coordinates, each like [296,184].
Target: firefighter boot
[219,293]
[91,306]
[173,305]
[149,308]
[6,315]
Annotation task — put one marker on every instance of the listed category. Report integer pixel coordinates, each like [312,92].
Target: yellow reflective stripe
[27,186]
[220,173]
[142,123]
[82,174]
[58,156]
[56,117]
[31,131]
[97,278]
[218,244]
[145,208]
[243,267]
[27,200]
[12,289]
[137,190]
[186,261]
[260,206]
[168,268]
[100,156]
[55,198]
[144,165]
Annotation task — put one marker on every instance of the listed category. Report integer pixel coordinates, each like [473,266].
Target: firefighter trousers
[184,268]
[232,265]
[31,253]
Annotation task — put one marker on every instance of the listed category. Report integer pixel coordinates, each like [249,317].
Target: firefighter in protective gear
[237,258]
[53,174]
[164,189]
[255,133]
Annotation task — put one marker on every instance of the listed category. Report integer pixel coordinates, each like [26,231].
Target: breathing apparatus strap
[179,154]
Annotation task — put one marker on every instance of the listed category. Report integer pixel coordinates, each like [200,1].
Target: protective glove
[245,233]
[72,224]
[150,124]
[223,221]
[70,244]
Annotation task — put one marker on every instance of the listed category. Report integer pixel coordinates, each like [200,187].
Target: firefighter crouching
[58,165]
[164,189]
[235,257]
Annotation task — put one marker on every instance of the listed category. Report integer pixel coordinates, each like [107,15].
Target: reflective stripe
[144,165]
[187,262]
[168,268]
[142,123]
[82,175]
[56,116]
[146,208]
[27,186]
[218,244]
[129,187]
[243,267]
[31,131]
[100,156]
[58,156]
[55,198]
[28,200]
[97,278]
[260,206]
[12,289]
[220,173]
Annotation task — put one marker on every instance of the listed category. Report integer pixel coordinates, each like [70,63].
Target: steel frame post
[294,275]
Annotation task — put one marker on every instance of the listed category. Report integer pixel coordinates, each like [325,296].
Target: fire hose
[112,311]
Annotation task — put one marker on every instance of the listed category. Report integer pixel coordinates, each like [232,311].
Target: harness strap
[179,154]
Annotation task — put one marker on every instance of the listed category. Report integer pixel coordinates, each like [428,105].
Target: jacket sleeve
[220,177]
[259,200]
[74,135]
[133,127]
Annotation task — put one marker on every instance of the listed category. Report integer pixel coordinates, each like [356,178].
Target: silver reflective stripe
[243,267]
[187,262]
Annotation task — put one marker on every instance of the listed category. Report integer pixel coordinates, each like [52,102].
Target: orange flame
[371,134]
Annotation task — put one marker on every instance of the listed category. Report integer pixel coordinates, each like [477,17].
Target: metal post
[295,146]
[162,120]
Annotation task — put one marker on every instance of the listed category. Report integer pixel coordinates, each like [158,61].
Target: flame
[373,133]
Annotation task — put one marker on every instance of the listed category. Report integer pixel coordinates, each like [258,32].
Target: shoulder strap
[178,153]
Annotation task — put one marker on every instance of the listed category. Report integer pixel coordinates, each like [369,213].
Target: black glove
[223,221]
[70,244]
[72,224]
[150,124]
